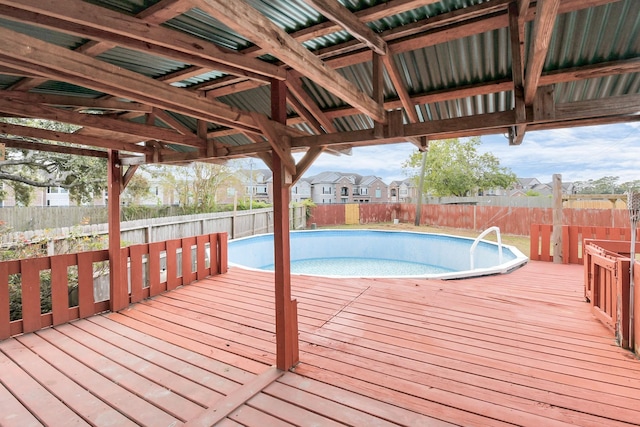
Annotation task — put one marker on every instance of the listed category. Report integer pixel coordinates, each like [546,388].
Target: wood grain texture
[521,348]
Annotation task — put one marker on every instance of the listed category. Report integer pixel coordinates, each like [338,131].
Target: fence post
[556,236]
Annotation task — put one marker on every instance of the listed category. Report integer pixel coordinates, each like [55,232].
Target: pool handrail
[477,240]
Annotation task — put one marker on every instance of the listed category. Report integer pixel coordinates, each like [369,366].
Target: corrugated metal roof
[63,88]
[257,99]
[7,81]
[585,36]
[54,37]
[140,62]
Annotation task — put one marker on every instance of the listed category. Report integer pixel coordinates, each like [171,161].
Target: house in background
[301,190]
[49,196]
[338,187]
[404,191]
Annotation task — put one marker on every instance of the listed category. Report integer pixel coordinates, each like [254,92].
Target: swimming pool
[379,253]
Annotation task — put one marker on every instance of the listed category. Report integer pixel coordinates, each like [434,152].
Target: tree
[605,185]
[137,189]
[197,185]
[455,168]
[24,170]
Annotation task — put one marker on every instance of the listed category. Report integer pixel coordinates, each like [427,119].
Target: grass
[520,242]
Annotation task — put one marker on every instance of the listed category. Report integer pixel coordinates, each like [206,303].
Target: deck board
[516,349]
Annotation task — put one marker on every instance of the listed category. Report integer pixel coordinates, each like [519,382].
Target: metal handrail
[477,240]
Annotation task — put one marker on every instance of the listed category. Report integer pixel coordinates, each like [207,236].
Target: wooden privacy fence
[573,237]
[71,281]
[607,284]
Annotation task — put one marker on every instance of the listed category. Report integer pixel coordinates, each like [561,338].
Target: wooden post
[420,189]
[556,235]
[119,293]
[287,355]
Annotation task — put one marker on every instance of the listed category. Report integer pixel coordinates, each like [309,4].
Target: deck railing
[572,240]
[607,284]
[72,285]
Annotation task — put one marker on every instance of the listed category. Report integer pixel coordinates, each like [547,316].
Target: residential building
[404,191]
[301,190]
[338,187]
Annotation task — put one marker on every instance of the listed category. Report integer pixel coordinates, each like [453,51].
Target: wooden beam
[401,90]
[263,32]
[118,291]
[303,113]
[306,161]
[612,106]
[279,143]
[435,128]
[370,14]
[73,138]
[158,13]
[377,81]
[517,73]
[347,20]
[171,121]
[545,18]
[591,121]
[184,74]
[50,148]
[59,63]
[592,71]
[77,101]
[459,23]
[126,177]
[287,353]
[99,23]
[22,109]
[165,10]
[294,82]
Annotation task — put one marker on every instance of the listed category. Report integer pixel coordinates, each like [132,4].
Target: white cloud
[576,153]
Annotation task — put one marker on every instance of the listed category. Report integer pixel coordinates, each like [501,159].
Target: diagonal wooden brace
[280,143]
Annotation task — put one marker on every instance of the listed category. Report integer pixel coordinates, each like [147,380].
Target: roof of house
[181,80]
[335,177]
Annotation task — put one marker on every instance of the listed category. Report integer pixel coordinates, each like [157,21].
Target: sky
[578,154]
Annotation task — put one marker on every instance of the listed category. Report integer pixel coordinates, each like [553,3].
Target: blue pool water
[377,253]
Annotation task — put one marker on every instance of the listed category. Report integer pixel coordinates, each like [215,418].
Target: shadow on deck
[517,349]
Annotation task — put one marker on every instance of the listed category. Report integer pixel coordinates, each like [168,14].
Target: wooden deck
[517,349]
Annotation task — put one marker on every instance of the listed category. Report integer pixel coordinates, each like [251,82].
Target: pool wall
[446,251]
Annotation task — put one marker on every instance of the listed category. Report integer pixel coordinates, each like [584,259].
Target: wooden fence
[607,285]
[511,220]
[573,237]
[235,224]
[153,268]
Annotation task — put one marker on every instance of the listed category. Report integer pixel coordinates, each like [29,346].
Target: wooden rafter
[74,138]
[279,143]
[259,29]
[22,109]
[165,10]
[546,12]
[77,101]
[63,149]
[86,20]
[160,12]
[306,161]
[304,114]
[294,82]
[370,14]
[517,73]
[347,20]
[28,53]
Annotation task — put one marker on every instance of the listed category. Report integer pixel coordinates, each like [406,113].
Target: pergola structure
[175,81]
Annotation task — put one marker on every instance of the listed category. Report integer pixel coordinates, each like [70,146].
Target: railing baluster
[61,312]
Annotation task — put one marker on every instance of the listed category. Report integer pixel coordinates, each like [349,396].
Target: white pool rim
[452,252]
